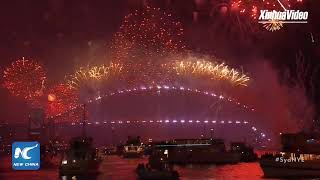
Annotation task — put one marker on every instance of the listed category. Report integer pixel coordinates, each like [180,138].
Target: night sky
[64,34]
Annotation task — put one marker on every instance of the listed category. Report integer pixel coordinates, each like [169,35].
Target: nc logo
[26,155]
[23,152]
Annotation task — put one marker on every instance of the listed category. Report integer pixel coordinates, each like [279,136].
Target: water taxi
[133,148]
[81,158]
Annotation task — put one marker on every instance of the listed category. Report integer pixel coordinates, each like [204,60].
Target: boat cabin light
[166,152]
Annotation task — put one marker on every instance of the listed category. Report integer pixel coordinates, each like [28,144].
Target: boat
[110,150]
[81,158]
[147,173]
[197,151]
[158,168]
[300,157]
[48,156]
[133,148]
[246,152]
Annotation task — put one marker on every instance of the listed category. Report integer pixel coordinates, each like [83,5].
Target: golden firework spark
[208,69]
[273,25]
[93,74]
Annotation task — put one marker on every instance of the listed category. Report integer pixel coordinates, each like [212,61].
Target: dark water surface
[116,168]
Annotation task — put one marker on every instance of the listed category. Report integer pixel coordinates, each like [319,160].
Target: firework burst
[92,75]
[147,33]
[144,39]
[207,68]
[178,69]
[25,78]
[230,21]
[273,25]
[62,100]
[251,8]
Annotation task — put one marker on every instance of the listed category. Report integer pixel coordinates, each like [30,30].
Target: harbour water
[117,168]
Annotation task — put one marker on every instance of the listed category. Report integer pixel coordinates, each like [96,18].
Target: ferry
[193,151]
[81,158]
[300,157]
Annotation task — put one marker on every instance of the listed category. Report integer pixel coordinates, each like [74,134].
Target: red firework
[62,101]
[252,7]
[25,78]
[146,33]
[145,37]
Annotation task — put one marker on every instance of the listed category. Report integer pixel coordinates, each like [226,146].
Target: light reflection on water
[78,177]
[116,168]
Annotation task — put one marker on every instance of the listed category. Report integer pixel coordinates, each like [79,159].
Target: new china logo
[26,155]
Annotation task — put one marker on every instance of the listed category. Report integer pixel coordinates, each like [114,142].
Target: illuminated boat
[193,151]
[132,151]
[300,158]
[133,148]
[110,150]
[286,165]
[149,172]
[157,168]
[246,152]
[81,158]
